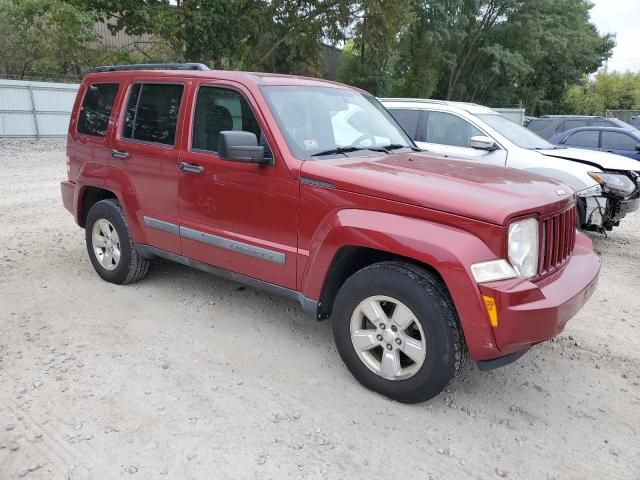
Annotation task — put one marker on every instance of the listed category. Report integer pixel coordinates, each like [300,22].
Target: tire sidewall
[432,309]
[106,209]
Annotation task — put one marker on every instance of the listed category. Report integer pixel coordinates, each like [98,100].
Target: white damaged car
[607,185]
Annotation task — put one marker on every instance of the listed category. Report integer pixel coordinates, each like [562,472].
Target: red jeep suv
[310,189]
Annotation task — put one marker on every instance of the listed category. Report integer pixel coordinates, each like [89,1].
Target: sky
[621,17]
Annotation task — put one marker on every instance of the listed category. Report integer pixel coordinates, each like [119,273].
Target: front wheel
[396,329]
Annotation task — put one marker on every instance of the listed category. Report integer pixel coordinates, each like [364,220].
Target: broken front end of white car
[603,205]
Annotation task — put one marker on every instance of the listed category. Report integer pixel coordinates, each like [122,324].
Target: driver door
[237,216]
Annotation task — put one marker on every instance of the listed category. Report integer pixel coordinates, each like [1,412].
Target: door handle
[190,168]
[119,154]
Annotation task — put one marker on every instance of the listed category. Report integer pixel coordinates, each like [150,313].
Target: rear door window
[408,119]
[586,139]
[447,129]
[220,109]
[152,113]
[96,109]
[618,141]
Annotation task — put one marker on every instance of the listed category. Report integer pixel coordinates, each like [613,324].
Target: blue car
[620,141]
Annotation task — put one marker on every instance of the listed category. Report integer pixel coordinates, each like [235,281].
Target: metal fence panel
[35,109]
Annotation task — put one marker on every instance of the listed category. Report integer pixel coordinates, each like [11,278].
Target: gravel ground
[187,376]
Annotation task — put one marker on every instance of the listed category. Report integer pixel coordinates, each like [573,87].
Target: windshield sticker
[311,143]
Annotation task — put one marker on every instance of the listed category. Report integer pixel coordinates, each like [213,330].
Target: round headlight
[523,247]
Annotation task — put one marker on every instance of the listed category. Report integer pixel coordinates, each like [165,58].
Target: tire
[107,216]
[434,325]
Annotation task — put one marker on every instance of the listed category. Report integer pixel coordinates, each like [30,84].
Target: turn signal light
[492,310]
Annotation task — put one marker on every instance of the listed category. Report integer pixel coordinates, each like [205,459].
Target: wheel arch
[87,198]
[114,183]
[350,259]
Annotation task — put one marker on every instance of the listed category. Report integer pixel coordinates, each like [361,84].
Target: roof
[468,107]
[577,117]
[246,77]
[631,130]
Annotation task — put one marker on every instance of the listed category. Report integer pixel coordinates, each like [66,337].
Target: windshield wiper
[349,149]
[396,146]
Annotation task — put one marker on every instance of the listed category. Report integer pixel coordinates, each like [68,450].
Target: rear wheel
[110,246]
[396,329]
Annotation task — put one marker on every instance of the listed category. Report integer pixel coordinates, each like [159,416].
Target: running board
[308,305]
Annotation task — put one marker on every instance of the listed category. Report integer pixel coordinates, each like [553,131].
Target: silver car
[607,186]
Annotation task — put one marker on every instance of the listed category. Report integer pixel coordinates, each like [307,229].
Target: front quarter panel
[448,250]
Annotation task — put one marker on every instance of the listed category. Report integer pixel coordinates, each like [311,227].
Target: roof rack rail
[150,66]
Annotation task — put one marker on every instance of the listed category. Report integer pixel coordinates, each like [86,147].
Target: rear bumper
[68,190]
[532,312]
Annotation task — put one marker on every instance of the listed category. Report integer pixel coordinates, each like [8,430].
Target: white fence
[35,109]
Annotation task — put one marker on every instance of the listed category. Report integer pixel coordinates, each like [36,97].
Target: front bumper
[606,211]
[532,312]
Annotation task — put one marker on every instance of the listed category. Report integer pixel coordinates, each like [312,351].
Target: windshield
[515,133]
[319,121]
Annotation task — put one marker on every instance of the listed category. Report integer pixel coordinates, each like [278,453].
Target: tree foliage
[605,91]
[499,52]
[44,37]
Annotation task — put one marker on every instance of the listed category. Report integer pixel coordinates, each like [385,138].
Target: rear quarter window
[96,109]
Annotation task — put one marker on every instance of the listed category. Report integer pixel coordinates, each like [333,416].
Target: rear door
[450,134]
[145,148]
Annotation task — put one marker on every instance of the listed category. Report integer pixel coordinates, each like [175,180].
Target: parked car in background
[620,141]
[607,186]
[310,189]
[547,126]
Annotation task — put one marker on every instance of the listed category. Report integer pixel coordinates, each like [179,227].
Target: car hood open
[601,160]
[489,193]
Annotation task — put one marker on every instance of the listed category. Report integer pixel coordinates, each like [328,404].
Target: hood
[601,160]
[488,193]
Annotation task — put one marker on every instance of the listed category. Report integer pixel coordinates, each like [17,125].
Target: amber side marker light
[492,310]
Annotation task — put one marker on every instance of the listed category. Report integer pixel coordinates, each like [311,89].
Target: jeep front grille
[558,237]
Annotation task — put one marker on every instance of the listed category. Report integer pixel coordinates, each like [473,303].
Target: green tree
[286,36]
[559,45]
[605,91]
[45,37]
[370,55]
[196,30]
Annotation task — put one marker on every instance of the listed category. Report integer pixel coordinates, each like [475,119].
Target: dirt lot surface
[186,376]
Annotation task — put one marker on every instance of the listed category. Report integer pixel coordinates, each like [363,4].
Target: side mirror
[638,148]
[481,142]
[237,146]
